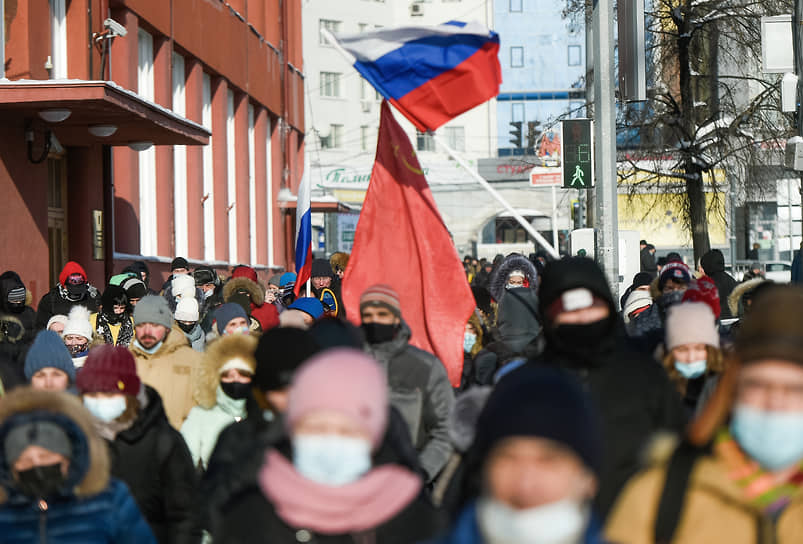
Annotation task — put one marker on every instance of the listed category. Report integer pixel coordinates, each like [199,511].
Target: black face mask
[77,349]
[41,482]
[379,333]
[186,327]
[584,340]
[77,292]
[16,307]
[236,390]
[669,299]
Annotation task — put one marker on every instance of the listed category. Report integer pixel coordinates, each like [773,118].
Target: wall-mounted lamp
[102,131]
[140,146]
[55,115]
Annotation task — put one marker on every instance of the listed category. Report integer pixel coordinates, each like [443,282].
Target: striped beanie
[381,295]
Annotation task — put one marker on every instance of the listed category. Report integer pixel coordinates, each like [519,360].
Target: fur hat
[339,261]
[235,350]
[78,323]
[109,369]
[691,323]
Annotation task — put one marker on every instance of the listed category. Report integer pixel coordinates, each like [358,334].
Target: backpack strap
[673,496]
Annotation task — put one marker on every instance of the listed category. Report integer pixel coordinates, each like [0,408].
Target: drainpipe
[107,179]
[3,39]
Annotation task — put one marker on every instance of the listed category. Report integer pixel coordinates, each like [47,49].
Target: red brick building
[215,86]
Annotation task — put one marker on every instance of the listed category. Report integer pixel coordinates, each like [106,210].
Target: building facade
[186,120]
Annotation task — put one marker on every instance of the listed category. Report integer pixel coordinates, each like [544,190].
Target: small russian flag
[430,74]
[303,234]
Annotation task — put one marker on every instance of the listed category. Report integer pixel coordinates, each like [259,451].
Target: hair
[715,363]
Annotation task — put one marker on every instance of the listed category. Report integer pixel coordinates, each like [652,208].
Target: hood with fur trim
[254,290]
[735,298]
[218,353]
[89,467]
[499,278]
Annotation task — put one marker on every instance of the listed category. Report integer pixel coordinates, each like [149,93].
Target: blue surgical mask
[469,339]
[558,522]
[331,459]
[150,351]
[773,439]
[105,408]
[692,370]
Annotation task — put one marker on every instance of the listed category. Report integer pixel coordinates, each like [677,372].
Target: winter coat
[500,275]
[265,314]
[467,530]
[152,458]
[633,393]
[519,331]
[53,303]
[170,371]
[797,268]
[114,329]
[17,331]
[735,300]
[197,338]
[93,508]
[713,263]
[214,410]
[715,509]
[648,262]
[421,391]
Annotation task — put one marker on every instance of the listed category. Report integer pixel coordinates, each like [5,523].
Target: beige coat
[715,510]
[171,371]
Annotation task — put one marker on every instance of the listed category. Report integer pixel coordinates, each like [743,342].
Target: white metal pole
[2,39]
[555,217]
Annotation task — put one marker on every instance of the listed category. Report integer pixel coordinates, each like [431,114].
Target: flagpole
[485,185]
[494,193]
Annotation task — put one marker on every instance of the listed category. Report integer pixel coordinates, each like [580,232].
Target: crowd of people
[224,410]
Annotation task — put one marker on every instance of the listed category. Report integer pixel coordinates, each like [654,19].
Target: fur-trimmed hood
[255,291]
[511,263]
[218,353]
[89,467]
[735,298]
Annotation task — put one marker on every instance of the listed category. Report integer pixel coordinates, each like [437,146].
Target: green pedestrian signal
[577,154]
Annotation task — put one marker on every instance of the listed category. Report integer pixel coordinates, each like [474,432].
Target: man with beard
[72,290]
[584,336]
[113,322]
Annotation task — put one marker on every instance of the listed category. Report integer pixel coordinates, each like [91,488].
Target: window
[58,39]
[424,141]
[517,111]
[362,27]
[334,139]
[252,185]
[367,91]
[516,57]
[180,161]
[331,26]
[456,138]
[147,159]
[364,137]
[575,56]
[330,84]
[231,174]
[516,6]
[208,198]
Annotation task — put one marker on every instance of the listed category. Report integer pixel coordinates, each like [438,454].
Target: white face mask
[561,522]
[331,459]
[105,408]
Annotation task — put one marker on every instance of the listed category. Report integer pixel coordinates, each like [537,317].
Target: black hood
[518,321]
[713,262]
[8,280]
[572,273]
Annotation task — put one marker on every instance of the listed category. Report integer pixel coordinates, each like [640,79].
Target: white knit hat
[78,323]
[58,318]
[181,284]
[635,301]
[187,310]
[691,323]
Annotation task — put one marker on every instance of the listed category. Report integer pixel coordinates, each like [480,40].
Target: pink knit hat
[691,323]
[345,381]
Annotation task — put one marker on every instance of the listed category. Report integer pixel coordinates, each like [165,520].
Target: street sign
[577,154]
[541,176]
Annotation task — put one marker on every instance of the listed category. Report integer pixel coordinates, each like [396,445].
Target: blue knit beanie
[226,313]
[308,305]
[48,350]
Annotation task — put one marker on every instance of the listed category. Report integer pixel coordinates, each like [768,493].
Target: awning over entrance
[96,105]
[318,204]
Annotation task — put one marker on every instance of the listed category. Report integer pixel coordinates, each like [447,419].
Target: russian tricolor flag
[303,233]
[430,74]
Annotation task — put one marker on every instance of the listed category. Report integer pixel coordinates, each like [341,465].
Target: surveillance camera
[116,28]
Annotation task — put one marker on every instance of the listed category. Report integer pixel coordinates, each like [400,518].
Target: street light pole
[606,217]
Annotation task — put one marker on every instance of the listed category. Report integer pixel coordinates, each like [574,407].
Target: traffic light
[578,215]
[532,135]
[515,133]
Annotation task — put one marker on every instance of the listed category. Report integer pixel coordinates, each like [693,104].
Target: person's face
[321,282]
[50,379]
[526,472]
[277,400]
[585,316]
[515,281]
[118,309]
[37,456]
[235,325]
[652,251]
[379,315]
[144,277]
[771,385]
[271,293]
[328,422]
[689,353]
[206,287]
[340,273]
[672,285]
[188,324]
[150,334]
[75,340]
[180,270]
[233,375]
[133,301]
[642,288]
[470,328]
[56,327]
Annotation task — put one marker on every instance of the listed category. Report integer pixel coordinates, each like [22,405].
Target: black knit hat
[321,268]
[331,332]
[179,262]
[544,403]
[280,351]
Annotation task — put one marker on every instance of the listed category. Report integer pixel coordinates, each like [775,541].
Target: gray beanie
[153,309]
[45,434]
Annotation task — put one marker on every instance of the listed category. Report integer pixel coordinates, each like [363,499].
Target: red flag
[402,241]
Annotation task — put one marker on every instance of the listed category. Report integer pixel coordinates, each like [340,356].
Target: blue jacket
[467,530]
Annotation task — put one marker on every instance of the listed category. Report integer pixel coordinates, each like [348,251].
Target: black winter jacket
[152,458]
[713,264]
[53,304]
[17,331]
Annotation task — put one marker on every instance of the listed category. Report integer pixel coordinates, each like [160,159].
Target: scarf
[763,489]
[123,337]
[363,505]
